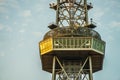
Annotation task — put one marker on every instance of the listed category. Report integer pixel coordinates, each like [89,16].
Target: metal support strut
[79,72]
[53,69]
[90,66]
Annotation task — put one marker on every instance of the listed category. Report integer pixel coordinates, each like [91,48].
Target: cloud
[3,10]
[39,7]
[114,3]
[7,17]
[6,28]
[6,4]
[1,27]
[22,30]
[15,23]
[14,4]
[110,38]
[1,0]
[37,34]
[26,13]
[24,24]
[98,13]
[9,29]
[2,54]
[115,24]
[12,48]
[21,44]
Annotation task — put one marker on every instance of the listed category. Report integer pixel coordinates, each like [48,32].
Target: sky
[23,24]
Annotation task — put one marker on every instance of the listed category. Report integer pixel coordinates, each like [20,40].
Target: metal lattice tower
[72,50]
[72,13]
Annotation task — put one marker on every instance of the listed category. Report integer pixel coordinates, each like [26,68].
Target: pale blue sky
[23,24]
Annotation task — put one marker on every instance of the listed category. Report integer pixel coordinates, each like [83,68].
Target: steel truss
[72,70]
[72,13]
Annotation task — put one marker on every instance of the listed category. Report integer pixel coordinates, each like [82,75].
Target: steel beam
[90,67]
[53,69]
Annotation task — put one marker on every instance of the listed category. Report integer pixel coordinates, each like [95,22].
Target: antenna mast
[72,50]
[70,13]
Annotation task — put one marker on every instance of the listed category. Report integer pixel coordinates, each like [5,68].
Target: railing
[78,43]
[98,45]
[72,43]
[68,42]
